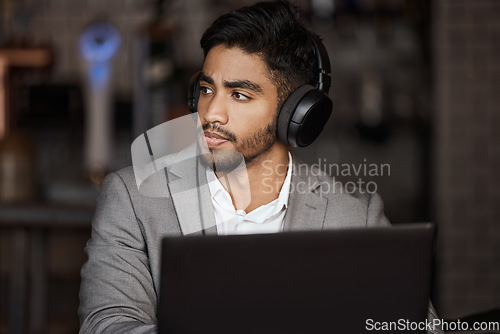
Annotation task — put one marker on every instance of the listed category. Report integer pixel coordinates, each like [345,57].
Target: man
[254,59]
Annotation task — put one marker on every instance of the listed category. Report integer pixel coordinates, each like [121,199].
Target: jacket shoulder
[348,204]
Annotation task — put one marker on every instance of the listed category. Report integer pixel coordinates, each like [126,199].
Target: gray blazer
[120,280]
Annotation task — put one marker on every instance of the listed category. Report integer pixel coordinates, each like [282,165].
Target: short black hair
[273,30]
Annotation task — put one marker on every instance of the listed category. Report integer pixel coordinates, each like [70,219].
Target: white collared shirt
[267,218]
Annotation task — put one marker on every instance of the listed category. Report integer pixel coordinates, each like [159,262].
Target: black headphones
[304,113]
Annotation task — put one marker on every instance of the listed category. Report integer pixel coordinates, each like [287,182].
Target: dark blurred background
[415,86]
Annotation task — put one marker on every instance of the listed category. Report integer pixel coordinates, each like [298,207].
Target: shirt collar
[285,189]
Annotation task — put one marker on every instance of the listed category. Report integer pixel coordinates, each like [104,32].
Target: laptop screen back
[342,281]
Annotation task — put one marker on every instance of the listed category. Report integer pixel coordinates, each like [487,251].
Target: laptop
[339,281]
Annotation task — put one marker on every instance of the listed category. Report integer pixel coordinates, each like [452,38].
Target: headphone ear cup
[194,92]
[287,110]
[303,116]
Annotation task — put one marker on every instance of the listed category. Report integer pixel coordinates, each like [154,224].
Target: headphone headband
[324,69]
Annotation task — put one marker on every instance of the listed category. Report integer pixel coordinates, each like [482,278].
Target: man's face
[237,108]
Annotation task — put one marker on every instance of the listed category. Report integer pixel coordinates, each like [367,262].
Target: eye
[205,90]
[241,97]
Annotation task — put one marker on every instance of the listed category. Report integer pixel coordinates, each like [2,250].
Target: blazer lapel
[190,194]
[306,209]
[193,205]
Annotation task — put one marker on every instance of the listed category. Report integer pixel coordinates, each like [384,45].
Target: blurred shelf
[26,57]
[45,215]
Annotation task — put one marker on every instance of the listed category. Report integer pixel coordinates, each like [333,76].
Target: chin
[222,160]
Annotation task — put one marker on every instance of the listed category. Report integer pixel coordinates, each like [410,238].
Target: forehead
[229,64]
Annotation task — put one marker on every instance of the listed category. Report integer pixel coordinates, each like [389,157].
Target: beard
[247,149]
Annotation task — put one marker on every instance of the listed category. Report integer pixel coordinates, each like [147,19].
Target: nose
[215,109]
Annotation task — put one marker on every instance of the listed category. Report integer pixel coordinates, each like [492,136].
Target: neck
[260,183]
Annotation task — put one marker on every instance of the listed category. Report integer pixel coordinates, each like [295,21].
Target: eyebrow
[245,84]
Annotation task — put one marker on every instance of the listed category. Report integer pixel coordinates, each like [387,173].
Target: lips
[213,139]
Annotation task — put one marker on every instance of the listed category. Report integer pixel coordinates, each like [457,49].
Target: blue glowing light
[99,42]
